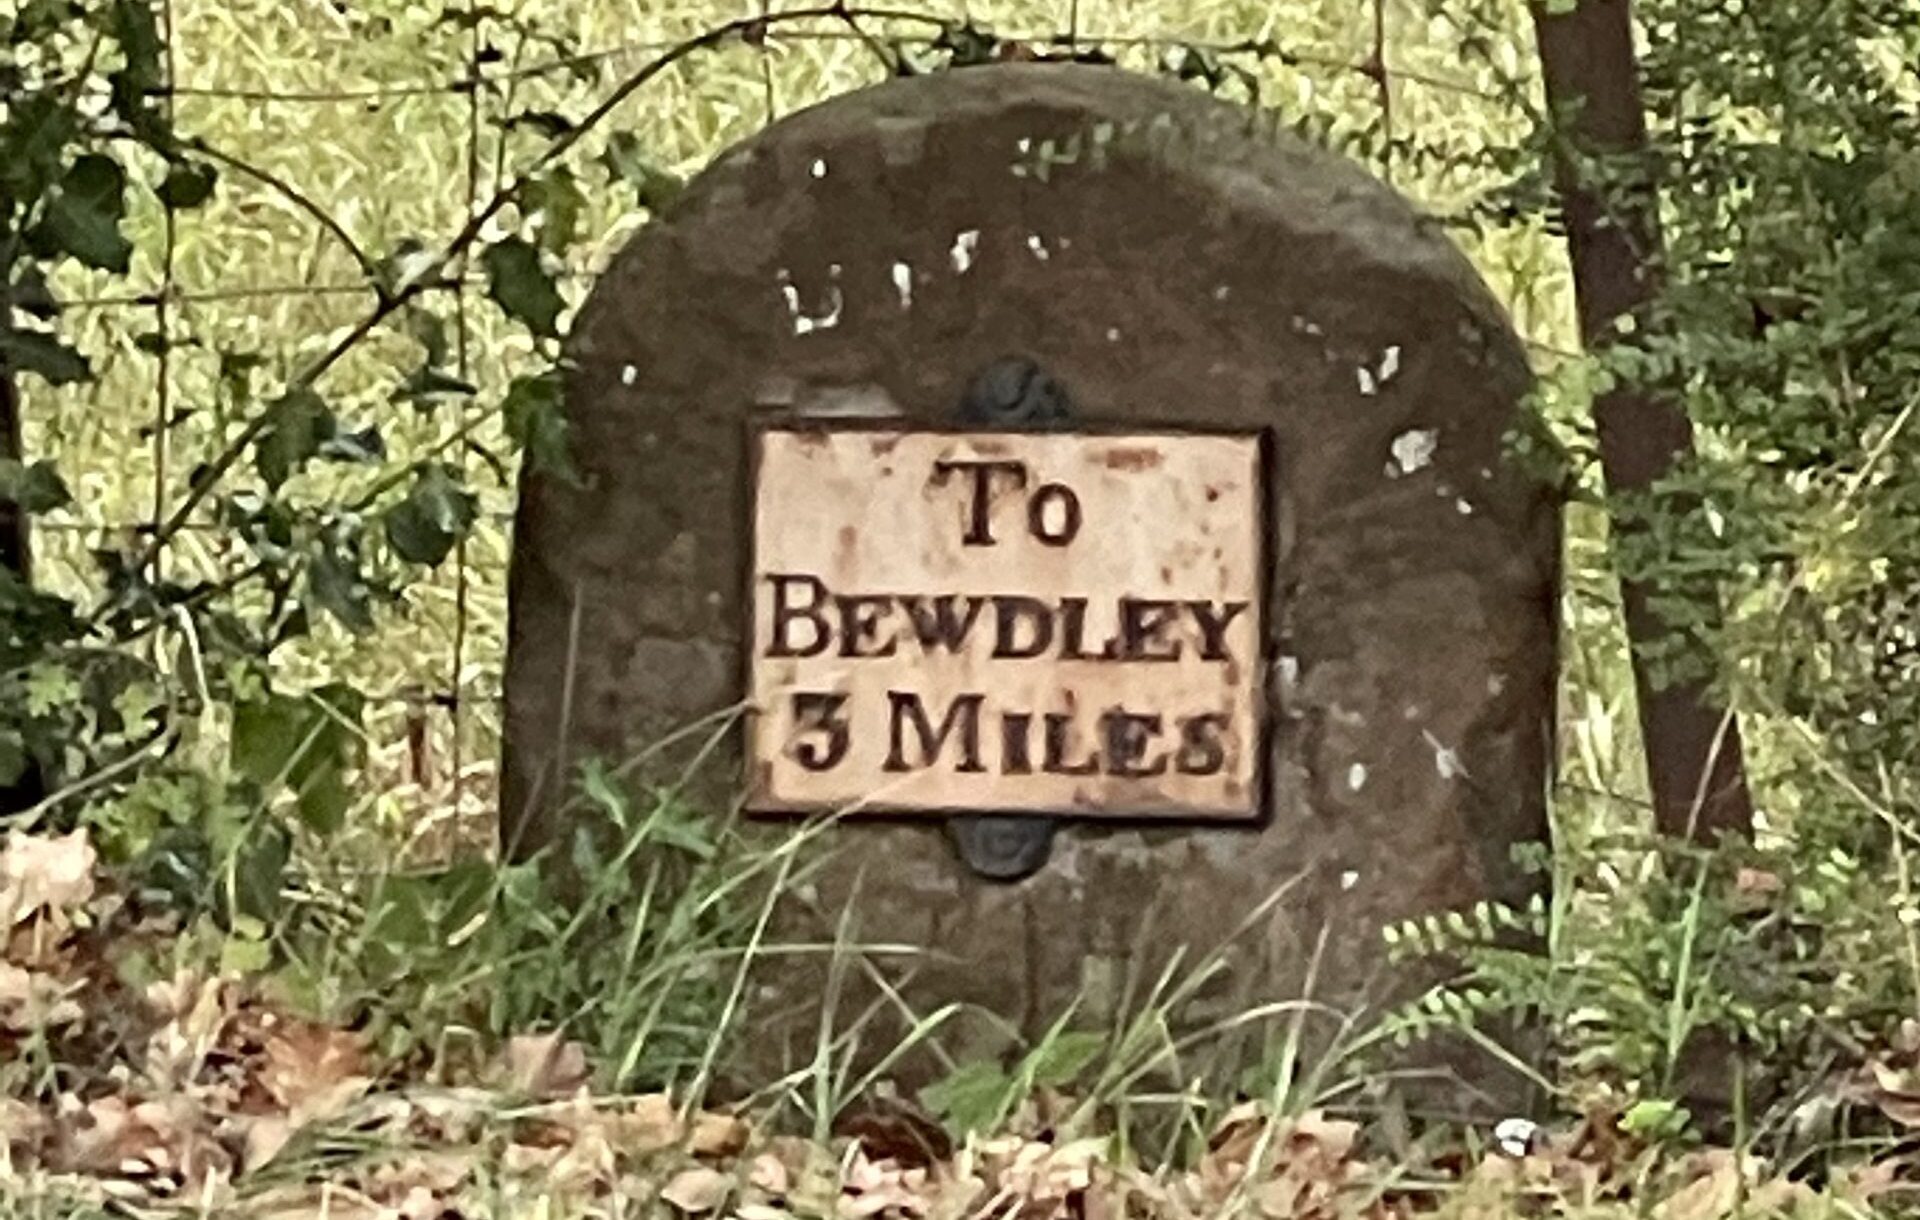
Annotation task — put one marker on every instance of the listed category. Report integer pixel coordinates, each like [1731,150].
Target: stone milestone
[1269,721]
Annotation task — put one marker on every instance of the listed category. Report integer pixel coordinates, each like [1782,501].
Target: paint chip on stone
[1414,450]
[819,169]
[1445,761]
[1349,879]
[1390,364]
[964,244]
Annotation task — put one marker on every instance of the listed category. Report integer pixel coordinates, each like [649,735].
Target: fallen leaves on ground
[215,1099]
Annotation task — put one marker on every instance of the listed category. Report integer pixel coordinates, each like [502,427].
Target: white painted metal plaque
[1049,623]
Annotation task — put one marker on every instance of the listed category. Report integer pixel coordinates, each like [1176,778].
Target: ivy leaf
[260,869]
[83,218]
[518,281]
[535,423]
[557,201]
[625,162]
[298,422]
[335,585]
[35,488]
[33,296]
[35,135]
[970,1098]
[305,744]
[33,351]
[188,184]
[132,87]
[436,514]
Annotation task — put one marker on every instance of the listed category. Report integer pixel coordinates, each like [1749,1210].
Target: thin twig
[294,196]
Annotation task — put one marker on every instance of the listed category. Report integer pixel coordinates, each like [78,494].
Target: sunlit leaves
[519,282]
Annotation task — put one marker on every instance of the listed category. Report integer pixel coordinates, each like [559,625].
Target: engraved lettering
[1143,625]
[1008,615]
[822,713]
[1203,750]
[860,626]
[1213,619]
[1054,529]
[962,720]
[787,613]
[1059,744]
[1015,758]
[1128,736]
[979,514]
[943,621]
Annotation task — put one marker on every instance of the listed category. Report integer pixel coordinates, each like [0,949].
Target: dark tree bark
[1694,760]
[15,554]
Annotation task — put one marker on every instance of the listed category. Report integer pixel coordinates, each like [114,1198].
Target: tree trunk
[13,523]
[15,556]
[1694,763]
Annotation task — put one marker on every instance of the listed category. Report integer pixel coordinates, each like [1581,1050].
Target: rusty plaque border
[754,803]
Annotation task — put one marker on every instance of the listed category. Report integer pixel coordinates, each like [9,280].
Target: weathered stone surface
[866,258]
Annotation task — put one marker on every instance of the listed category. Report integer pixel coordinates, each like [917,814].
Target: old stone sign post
[1099,499]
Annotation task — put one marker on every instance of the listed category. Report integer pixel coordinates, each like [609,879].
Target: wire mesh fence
[345,130]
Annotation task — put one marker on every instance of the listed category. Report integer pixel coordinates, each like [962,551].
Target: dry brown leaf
[31,1001]
[1715,1192]
[697,1191]
[163,1140]
[718,1135]
[770,1174]
[313,1071]
[44,873]
[649,1125]
[265,1137]
[544,1065]
[24,1130]
[1896,1093]
[1758,882]
[196,1012]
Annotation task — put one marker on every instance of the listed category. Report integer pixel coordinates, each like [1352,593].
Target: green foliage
[520,282]
[980,1096]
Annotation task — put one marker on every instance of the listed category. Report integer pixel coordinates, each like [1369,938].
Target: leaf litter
[218,1100]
